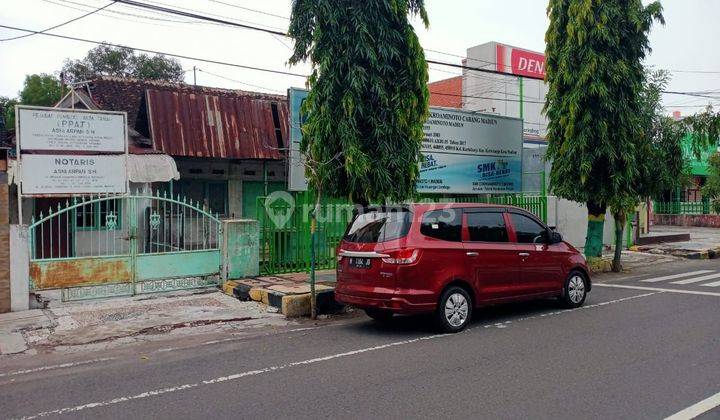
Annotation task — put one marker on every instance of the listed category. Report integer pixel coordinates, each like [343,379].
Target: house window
[106,214]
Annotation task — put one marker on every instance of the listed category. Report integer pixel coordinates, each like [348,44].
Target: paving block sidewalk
[103,323]
[704,243]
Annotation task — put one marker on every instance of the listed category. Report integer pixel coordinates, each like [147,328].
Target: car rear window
[378,226]
[443,224]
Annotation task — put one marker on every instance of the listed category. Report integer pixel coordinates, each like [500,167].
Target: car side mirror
[555,238]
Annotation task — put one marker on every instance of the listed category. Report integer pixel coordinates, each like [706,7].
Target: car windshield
[378,226]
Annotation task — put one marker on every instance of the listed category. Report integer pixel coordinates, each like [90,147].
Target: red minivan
[447,259]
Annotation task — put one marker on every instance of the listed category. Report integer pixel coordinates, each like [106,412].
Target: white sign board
[73,174]
[471,153]
[71,130]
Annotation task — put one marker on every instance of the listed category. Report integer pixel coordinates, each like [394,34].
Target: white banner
[73,174]
[70,130]
[471,153]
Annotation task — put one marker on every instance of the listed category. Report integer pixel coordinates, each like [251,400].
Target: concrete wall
[570,220]
[19,268]
[240,249]
[4,247]
[701,220]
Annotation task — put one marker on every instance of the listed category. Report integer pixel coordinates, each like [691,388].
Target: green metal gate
[104,246]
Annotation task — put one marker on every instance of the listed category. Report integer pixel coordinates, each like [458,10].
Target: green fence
[284,220]
[682,207]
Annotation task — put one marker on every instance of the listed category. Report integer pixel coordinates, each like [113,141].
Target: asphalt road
[636,350]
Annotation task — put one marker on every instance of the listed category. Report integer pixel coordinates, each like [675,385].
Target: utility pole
[194,75]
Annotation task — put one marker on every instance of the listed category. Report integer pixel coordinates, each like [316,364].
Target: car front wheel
[454,310]
[575,290]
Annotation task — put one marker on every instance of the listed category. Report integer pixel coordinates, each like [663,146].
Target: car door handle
[472,254]
[524,254]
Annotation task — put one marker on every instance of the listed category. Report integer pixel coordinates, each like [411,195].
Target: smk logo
[279,206]
[429,162]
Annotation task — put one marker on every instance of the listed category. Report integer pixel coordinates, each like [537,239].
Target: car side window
[443,224]
[527,230]
[487,227]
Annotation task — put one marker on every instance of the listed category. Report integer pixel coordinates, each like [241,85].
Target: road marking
[656,289]
[676,276]
[697,279]
[697,409]
[269,369]
[53,367]
[713,284]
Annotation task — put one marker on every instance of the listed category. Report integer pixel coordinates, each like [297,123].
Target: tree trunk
[596,224]
[620,219]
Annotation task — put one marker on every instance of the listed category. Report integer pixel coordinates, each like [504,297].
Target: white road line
[697,409]
[53,367]
[657,289]
[261,371]
[713,284]
[677,276]
[697,279]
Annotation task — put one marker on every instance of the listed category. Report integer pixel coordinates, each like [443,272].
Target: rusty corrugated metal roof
[217,125]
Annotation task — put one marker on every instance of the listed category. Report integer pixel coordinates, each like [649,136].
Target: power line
[249,9]
[186,57]
[61,24]
[238,81]
[197,16]
[486,97]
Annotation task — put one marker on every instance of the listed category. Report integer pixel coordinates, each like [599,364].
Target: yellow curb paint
[228,287]
[259,294]
[598,218]
[294,306]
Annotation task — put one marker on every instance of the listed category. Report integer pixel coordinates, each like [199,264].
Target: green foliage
[41,90]
[38,89]
[7,111]
[712,185]
[595,78]
[661,164]
[368,96]
[105,60]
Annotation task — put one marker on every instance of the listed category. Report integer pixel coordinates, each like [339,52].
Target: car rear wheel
[379,315]
[454,310]
[575,290]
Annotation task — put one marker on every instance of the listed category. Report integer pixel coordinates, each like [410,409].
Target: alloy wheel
[576,289]
[456,309]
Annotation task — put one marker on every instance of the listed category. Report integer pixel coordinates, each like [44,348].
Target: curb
[291,300]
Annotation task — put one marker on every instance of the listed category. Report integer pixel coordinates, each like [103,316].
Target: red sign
[526,63]
[522,62]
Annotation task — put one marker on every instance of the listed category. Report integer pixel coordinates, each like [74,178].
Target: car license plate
[359,262]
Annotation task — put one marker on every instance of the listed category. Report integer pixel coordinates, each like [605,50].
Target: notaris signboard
[71,130]
[71,152]
[70,174]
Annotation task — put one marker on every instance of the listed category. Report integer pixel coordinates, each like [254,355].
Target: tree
[712,185]
[368,96]
[368,100]
[38,89]
[595,77]
[41,90]
[106,60]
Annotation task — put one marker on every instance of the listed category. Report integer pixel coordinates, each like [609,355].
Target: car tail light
[402,256]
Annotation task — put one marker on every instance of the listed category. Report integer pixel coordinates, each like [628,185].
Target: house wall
[235,173]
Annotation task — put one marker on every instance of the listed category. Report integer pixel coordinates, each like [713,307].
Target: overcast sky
[686,44]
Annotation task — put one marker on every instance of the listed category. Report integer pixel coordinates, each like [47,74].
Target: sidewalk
[103,323]
[704,243]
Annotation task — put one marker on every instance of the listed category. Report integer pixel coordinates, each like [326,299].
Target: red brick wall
[452,90]
[701,220]
[4,250]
